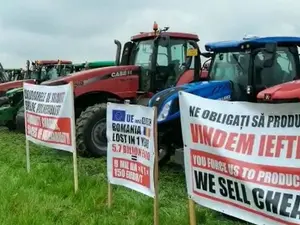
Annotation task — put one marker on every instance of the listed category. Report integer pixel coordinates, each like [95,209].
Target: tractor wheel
[164,149]
[11,125]
[91,131]
[20,120]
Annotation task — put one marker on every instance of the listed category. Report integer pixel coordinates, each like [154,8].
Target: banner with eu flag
[131,155]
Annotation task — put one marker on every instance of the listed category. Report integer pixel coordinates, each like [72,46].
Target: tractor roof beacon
[150,62]
[239,70]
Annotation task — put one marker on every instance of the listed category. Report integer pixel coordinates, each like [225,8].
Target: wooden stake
[192,212]
[75,163]
[75,167]
[27,155]
[109,195]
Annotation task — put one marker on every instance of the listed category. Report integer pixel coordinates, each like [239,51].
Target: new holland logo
[267,96]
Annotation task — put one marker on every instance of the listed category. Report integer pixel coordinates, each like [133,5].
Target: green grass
[45,195]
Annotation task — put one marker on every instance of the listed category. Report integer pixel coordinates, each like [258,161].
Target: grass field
[45,196]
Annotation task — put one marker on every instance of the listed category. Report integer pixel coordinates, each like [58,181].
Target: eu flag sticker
[118,115]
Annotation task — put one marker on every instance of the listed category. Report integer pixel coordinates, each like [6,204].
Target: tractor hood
[286,91]
[4,87]
[93,75]
[167,101]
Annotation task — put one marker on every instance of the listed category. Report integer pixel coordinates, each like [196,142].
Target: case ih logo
[121,73]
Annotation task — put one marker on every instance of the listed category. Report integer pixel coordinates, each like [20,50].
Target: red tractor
[289,89]
[150,62]
[283,93]
[31,74]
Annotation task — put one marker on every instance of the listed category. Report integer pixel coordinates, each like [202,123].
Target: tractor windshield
[45,73]
[171,61]
[173,53]
[51,73]
[230,66]
[34,73]
[282,70]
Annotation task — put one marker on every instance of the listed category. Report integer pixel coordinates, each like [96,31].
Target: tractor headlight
[165,111]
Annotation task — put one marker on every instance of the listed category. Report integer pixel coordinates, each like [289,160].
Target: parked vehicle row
[151,69]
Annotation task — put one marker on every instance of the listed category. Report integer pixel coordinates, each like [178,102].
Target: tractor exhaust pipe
[118,54]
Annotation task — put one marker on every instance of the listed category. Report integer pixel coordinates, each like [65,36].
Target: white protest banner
[49,112]
[50,120]
[131,155]
[243,159]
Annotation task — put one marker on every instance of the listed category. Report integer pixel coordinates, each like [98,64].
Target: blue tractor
[238,71]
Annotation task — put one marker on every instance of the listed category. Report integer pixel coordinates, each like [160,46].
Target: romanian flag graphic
[147,131]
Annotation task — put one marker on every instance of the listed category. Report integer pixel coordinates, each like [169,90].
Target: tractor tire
[20,120]
[11,125]
[91,131]
[164,150]
[3,101]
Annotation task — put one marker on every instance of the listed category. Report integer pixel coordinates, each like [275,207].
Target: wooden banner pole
[27,144]
[75,162]
[192,212]
[27,154]
[109,202]
[75,166]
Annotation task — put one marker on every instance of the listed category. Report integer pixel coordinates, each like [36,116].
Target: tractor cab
[163,58]
[288,91]
[14,74]
[43,70]
[7,75]
[78,67]
[3,76]
[254,64]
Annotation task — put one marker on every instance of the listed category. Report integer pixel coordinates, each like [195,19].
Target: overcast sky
[84,30]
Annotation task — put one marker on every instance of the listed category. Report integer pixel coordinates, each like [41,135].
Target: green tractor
[14,74]
[12,108]
[7,75]
[40,71]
